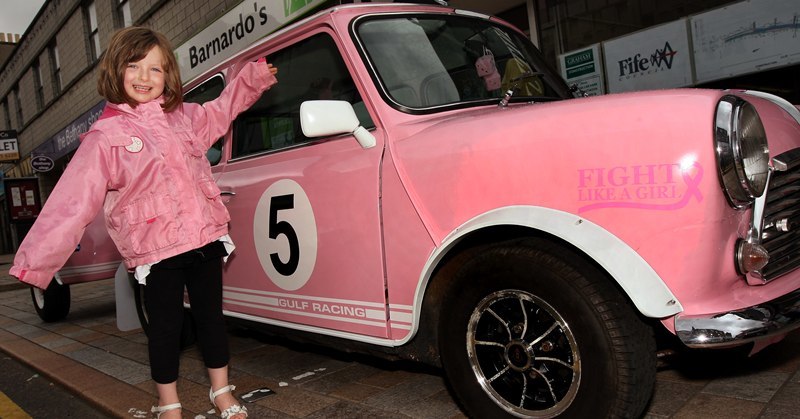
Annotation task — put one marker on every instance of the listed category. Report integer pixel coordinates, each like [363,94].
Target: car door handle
[227,193]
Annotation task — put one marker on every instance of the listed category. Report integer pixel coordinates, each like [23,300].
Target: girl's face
[144,79]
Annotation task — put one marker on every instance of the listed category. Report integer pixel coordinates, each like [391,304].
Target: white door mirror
[322,118]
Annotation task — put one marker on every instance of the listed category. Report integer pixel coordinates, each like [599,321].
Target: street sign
[584,68]
[8,146]
[42,163]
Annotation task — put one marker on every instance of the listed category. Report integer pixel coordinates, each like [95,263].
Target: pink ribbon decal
[692,190]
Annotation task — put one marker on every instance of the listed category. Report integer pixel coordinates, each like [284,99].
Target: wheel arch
[634,276]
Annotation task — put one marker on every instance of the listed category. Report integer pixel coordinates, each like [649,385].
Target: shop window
[37,84]
[92,35]
[123,13]
[55,68]
[18,106]
[6,114]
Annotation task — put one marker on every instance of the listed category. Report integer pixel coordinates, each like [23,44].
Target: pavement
[88,355]
[8,282]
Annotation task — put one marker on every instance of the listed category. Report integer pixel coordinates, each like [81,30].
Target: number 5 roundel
[285,234]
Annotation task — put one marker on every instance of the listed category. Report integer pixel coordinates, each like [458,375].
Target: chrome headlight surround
[742,151]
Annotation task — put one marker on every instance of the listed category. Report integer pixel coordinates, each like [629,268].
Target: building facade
[48,90]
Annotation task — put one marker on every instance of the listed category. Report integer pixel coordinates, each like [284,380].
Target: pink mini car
[95,258]
[420,184]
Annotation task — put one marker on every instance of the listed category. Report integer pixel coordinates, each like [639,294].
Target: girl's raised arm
[213,119]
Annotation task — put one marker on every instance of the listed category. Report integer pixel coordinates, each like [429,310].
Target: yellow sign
[8,146]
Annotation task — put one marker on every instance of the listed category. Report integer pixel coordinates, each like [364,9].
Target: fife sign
[8,146]
[655,58]
[660,59]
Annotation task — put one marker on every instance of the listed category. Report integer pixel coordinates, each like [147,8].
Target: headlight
[742,151]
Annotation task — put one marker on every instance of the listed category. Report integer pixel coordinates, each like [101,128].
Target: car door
[304,212]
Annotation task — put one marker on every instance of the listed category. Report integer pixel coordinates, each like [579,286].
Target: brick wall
[63,22]
[72,48]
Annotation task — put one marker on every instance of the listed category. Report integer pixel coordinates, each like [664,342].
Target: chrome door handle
[227,193]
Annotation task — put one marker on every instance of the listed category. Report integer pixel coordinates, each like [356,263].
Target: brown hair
[129,45]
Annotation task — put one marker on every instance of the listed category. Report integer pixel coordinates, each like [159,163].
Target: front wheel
[51,304]
[536,331]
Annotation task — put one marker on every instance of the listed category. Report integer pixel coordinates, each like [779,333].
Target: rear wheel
[535,331]
[51,304]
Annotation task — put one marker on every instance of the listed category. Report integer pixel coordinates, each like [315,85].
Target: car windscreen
[435,61]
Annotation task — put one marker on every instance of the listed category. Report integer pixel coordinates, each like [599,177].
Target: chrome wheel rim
[523,354]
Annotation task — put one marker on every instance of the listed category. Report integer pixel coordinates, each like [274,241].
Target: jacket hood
[117,109]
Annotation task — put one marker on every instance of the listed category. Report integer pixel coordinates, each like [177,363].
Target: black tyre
[533,330]
[51,304]
[188,332]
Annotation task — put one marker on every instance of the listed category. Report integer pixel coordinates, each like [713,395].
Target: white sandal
[158,410]
[232,410]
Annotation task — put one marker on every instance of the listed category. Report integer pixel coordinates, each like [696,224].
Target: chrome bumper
[761,321]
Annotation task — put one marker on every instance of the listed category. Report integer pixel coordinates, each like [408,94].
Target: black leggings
[200,271]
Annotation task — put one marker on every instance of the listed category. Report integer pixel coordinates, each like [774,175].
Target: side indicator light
[751,257]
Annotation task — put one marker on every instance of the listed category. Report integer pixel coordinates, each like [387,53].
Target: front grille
[781,233]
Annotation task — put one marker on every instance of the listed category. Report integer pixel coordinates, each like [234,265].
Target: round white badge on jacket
[135,146]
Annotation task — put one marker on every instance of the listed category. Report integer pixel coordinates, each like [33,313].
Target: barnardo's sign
[9,151]
[584,68]
[655,58]
[237,29]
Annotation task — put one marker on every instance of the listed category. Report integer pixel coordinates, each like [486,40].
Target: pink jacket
[147,169]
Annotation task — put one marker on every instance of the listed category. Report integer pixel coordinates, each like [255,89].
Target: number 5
[276,228]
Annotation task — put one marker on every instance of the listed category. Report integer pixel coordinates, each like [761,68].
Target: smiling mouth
[142,89]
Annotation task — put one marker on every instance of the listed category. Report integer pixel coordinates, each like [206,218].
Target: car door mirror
[322,118]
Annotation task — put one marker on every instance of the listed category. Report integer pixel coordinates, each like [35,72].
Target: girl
[144,163]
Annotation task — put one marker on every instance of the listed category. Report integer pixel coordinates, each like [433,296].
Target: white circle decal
[285,234]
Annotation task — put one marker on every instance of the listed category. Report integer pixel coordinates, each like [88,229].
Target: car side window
[308,70]
[209,90]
